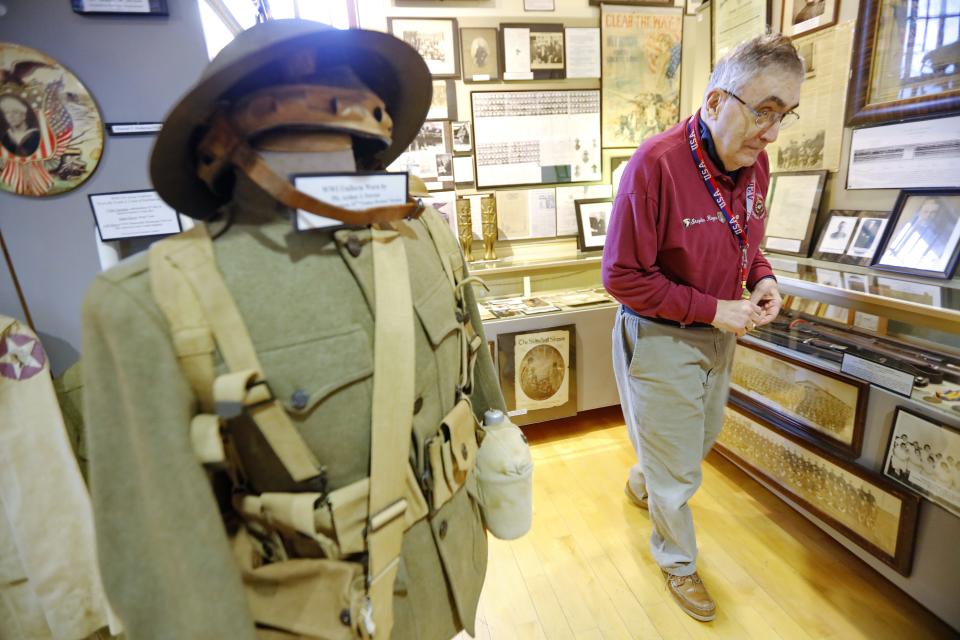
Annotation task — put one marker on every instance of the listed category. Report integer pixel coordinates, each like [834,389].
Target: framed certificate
[793,204]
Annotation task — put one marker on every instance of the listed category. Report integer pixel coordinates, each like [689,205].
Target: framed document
[536,137]
[533,51]
[538,373]
[906,155]
[593,217]
[637,105]
[480,52]
[871,511]
[526,213]
[924,455]
[923,237]
[817,404]
[793,204]
[905,65]
[434,38]
[462,137]
[800,17]
[583,52]
[133,214]
[119,7]
[734,21]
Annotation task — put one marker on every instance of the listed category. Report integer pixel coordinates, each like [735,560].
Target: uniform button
[345,616]
[443,529]
[299,399]
[463,450]
[417,405]
[461,318]
[353,245]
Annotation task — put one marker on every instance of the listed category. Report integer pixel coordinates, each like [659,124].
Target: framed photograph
[480,52]
[924,455]
[907,155]
[133,214]
[817,404]
[800,17]
[434,38]
[567,208]
[616,165]
[904,65]
[538,373]
[462,136]
[836,235]
[792,208]
[639,105]
[121,7]
[734,21]
[873,512]
[536,137]
[422,157]
[443,103]
[593,217]
[533,51]
[923,237]
[866,237]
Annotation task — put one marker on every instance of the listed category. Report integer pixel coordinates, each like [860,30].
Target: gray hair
[748,59]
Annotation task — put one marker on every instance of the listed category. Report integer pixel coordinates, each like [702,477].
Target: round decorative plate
[51,132]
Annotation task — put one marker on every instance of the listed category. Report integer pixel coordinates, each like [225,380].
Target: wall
[135,68]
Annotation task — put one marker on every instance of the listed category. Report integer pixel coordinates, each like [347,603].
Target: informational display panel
[536,137]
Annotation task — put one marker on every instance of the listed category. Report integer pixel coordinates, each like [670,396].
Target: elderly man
[682,257]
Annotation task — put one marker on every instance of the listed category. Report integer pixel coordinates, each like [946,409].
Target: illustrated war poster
[538,373]
[640,72]
[814,141]
[51,133]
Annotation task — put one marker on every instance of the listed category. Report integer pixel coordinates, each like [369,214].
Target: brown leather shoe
[636,500]
[692,596]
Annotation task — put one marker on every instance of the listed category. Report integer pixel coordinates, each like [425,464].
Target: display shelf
[514,264]
[935,304]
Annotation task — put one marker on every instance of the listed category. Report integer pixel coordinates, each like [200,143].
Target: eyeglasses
[767,117]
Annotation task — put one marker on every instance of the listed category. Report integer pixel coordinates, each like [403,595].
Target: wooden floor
[585,569]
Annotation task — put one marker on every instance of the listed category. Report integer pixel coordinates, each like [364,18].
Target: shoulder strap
[201,298]
[393,395]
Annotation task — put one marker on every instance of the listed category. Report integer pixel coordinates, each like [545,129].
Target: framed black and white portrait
[462,137]
[480,54]
[443,102]
[836,235]
[593,218]
[923,236]
[435,39]
[924,455]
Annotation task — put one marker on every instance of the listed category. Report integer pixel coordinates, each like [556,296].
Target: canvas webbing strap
[192,338]
[393,396]
[191,255]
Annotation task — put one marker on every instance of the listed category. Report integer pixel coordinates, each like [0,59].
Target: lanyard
[740,232]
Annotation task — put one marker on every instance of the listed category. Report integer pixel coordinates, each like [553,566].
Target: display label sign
[883,376]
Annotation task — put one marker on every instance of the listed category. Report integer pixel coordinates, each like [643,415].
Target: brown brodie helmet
[290,75]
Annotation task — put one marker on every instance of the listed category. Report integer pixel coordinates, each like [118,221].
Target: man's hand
[766,295]
[737,316]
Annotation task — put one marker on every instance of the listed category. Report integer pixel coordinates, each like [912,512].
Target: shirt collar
[706,138]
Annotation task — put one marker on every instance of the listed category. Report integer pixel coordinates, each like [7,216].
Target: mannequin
[308,300]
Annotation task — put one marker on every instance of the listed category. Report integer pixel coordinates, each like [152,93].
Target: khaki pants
[673,385]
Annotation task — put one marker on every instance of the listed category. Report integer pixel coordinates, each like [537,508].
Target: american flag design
[67,139]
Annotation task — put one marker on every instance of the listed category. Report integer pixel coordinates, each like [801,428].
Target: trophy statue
[488,217]
[465,228]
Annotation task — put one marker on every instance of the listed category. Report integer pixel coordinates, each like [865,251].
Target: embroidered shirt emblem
[21,357]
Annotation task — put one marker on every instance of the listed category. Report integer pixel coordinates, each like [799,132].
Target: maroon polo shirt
[669,253]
